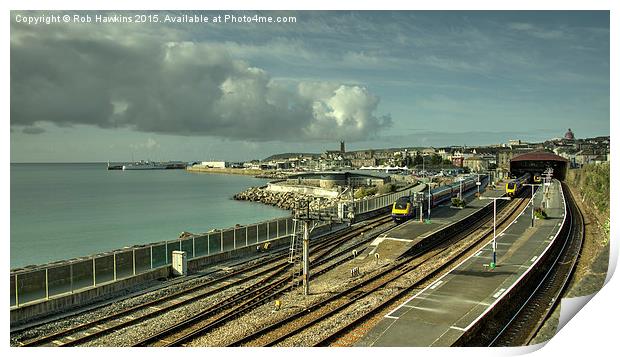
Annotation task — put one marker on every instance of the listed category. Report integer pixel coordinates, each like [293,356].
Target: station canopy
[537,162]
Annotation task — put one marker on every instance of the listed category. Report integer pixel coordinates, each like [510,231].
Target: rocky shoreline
[284,200]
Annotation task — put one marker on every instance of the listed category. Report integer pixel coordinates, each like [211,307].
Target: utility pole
[306,258]
[352,211]
[311,219]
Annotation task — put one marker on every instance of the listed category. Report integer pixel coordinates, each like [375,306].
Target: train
[513,187]
[404,208]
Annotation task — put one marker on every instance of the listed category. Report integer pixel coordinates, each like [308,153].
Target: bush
[593,181]
[606,229]
[540,213]
[457,202]
[387,188]
[365,191]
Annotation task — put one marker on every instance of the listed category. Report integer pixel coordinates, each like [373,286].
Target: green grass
[593,181]
[540,213]
[369,191]
[365,191]
[456,202]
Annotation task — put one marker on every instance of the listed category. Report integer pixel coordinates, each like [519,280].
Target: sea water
[63,211]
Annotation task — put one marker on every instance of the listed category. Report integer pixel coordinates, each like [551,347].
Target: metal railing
[73,275]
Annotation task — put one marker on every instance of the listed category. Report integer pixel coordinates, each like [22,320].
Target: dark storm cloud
[123,76]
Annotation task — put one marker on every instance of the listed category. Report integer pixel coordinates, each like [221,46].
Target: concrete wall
[69,301]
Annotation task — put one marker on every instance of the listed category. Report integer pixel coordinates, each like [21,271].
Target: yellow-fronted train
[513,187]
[404,208]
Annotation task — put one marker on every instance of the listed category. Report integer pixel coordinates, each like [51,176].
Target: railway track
[197,325]
[537,308]
[277,333]
[272,267]
[215,275]
[269,282]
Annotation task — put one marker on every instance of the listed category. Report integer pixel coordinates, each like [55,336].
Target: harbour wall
[226,171]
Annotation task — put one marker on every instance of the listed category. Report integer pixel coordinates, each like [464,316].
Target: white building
[214,164]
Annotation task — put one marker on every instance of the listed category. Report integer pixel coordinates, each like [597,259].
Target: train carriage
[404,208]
[440,195]
[513,187]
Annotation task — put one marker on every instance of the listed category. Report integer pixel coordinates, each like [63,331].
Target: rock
[284,200]
[185,235]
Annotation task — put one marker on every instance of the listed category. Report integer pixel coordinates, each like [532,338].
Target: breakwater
[239,171]
[284,200]
[225,171]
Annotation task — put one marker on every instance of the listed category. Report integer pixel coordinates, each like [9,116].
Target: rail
[40,283]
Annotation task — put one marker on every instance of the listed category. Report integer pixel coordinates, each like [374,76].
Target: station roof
[538,156]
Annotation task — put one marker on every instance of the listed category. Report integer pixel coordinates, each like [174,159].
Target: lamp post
[494,262]
[423,171]
[547,181]
[490,183]
[429,203]
[428,218]
[532,187]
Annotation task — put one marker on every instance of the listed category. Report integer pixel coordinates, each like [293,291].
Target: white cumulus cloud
[109,78]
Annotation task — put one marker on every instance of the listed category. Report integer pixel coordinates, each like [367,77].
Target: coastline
[53,205]
[225,171]
[234,171]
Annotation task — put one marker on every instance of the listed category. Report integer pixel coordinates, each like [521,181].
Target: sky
[91,91]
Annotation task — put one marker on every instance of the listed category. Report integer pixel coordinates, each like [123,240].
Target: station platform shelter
[537,162]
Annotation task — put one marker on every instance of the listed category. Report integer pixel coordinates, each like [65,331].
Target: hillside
[290,154]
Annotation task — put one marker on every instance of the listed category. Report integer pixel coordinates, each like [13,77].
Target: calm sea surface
[61,211]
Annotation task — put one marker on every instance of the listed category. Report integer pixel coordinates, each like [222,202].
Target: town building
[215,164]
[476,164]
[332,179]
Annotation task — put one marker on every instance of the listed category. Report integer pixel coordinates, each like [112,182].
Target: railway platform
[452,304]
[403,237]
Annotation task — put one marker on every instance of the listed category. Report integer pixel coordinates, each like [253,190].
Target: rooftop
[538,156]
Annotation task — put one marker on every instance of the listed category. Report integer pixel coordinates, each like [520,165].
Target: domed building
[569,135]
